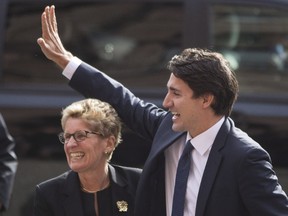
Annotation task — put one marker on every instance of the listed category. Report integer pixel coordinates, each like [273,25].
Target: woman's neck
[94,182]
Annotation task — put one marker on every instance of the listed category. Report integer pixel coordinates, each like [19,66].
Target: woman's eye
[80,136]
[67,137]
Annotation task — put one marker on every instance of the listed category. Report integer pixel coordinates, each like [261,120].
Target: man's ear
[207,100]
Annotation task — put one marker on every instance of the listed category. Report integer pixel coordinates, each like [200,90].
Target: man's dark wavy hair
[207,72]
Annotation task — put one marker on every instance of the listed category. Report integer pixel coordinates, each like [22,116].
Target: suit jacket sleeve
[143,118]
[261,191]
[8,164]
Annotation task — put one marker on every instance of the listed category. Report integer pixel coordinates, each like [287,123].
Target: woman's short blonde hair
[100,116]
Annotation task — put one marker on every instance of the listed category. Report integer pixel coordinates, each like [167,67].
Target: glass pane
[132,42]
[254,40]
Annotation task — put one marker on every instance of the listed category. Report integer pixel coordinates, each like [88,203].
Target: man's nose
[166,102]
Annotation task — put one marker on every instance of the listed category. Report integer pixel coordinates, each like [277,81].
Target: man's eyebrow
[172,88]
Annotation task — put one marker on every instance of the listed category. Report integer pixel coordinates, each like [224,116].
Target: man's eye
[176,93]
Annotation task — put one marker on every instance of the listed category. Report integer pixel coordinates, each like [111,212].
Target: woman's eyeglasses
[78,136]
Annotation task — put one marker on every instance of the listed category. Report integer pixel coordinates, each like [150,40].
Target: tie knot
[188,148]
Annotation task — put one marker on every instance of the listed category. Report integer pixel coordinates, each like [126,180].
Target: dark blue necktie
[181,180]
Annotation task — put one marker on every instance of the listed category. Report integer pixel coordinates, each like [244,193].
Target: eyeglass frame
[64,141]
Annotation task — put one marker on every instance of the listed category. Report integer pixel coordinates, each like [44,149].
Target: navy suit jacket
[238,179]
[60,196]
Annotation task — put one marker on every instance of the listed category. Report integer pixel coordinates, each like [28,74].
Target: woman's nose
[71,142]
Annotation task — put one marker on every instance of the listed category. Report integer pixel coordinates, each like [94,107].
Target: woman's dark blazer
[60,196]
[238,179]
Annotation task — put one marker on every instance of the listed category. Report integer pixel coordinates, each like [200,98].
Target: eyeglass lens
[78,136]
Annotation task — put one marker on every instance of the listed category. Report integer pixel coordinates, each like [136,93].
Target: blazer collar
[115,177]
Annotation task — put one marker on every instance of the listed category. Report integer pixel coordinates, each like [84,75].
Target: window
[132,42]
[255,41]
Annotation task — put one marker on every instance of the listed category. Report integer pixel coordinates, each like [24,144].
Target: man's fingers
[40,41]
[48,33]
[43,23]
[50,42]
[53,18]
[47,51]
[48,21]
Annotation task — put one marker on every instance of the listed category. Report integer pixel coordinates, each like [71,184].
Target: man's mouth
[175,115]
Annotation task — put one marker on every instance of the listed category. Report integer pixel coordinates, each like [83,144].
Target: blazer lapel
[71,195]
[211,169]
[121,199]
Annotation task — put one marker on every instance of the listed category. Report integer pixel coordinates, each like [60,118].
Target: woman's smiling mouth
[76,155]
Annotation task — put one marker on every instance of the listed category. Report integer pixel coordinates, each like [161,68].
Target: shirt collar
[203,142]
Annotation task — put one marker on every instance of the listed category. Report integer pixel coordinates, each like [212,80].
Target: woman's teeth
[76,155]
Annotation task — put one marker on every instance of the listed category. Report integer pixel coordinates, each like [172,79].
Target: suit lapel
[165,136]
[211,169]
[71,195]
[121,199]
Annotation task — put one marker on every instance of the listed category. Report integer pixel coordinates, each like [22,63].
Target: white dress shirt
[70,69]
[202,146]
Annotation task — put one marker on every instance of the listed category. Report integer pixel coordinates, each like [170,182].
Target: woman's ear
[110,144]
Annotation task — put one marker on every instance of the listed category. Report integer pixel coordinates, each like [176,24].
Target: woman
[92,130]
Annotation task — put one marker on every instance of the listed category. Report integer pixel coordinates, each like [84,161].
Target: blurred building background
[132,41]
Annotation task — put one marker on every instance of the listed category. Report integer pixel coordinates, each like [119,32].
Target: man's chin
[176,128]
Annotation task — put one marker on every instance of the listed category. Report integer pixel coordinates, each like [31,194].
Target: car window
[255,41]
